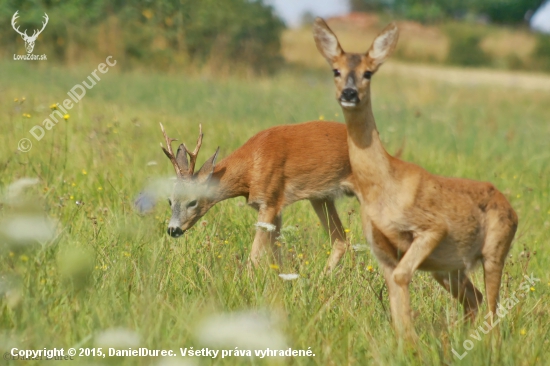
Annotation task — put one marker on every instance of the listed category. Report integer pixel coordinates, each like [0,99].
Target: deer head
[353,71]
[29,40]
[190,198]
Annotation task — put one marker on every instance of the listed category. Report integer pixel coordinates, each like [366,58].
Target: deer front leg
[395,299]
[326,211]
[265,234]
[276,249]
[387,257]
[421,247]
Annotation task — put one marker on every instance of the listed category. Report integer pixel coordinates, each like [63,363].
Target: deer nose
[175,232]
[349,95]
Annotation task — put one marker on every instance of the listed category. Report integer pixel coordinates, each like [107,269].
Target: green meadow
[106,266]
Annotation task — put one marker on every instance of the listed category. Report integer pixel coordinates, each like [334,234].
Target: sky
[541,19]
[292,10]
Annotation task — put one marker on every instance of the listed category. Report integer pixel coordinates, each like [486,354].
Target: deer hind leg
[326,211]
[265,236]
[462,289]
[501,229]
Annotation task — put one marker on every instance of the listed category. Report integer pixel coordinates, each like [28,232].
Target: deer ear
[326,41]
[384,44]
[181,158]
[206,170]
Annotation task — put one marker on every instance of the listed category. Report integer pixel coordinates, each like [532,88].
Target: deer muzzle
[175,232]
[349,97]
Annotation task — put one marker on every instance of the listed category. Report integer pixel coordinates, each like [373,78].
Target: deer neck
[230,178]
[371,164]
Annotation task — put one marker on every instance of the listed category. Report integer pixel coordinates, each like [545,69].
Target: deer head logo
[29,40]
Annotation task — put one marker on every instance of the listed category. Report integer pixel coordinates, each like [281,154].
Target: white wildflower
[248,330]
[117,338]
[287,233]
[159,189]
[8,340]
[289,276]
[289,229]
[265,226]
[15,189]
[177,362]
[360,247]
[10,291]
[28,228]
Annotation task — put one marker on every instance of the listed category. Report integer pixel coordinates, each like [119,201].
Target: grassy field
[108,267]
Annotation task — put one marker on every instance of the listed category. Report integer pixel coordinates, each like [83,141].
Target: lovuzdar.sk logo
[29,40]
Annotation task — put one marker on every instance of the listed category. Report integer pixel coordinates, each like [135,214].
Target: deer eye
[367,75]
[170,202]
[336,73]
[192,204]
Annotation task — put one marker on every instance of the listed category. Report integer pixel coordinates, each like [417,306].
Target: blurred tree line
[164,34]
[466,37]
[426,11]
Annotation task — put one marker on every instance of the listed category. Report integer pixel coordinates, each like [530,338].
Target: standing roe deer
[276,167]
[414,219]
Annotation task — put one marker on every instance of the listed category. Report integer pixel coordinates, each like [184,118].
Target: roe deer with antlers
[414,219]
[276,167]
[29,40]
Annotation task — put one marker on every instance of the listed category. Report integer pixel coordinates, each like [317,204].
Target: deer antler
[193,155]
[36,33]
[169,153]
[13,19]
[25,35]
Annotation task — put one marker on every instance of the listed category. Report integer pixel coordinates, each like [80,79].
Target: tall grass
[108,267]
